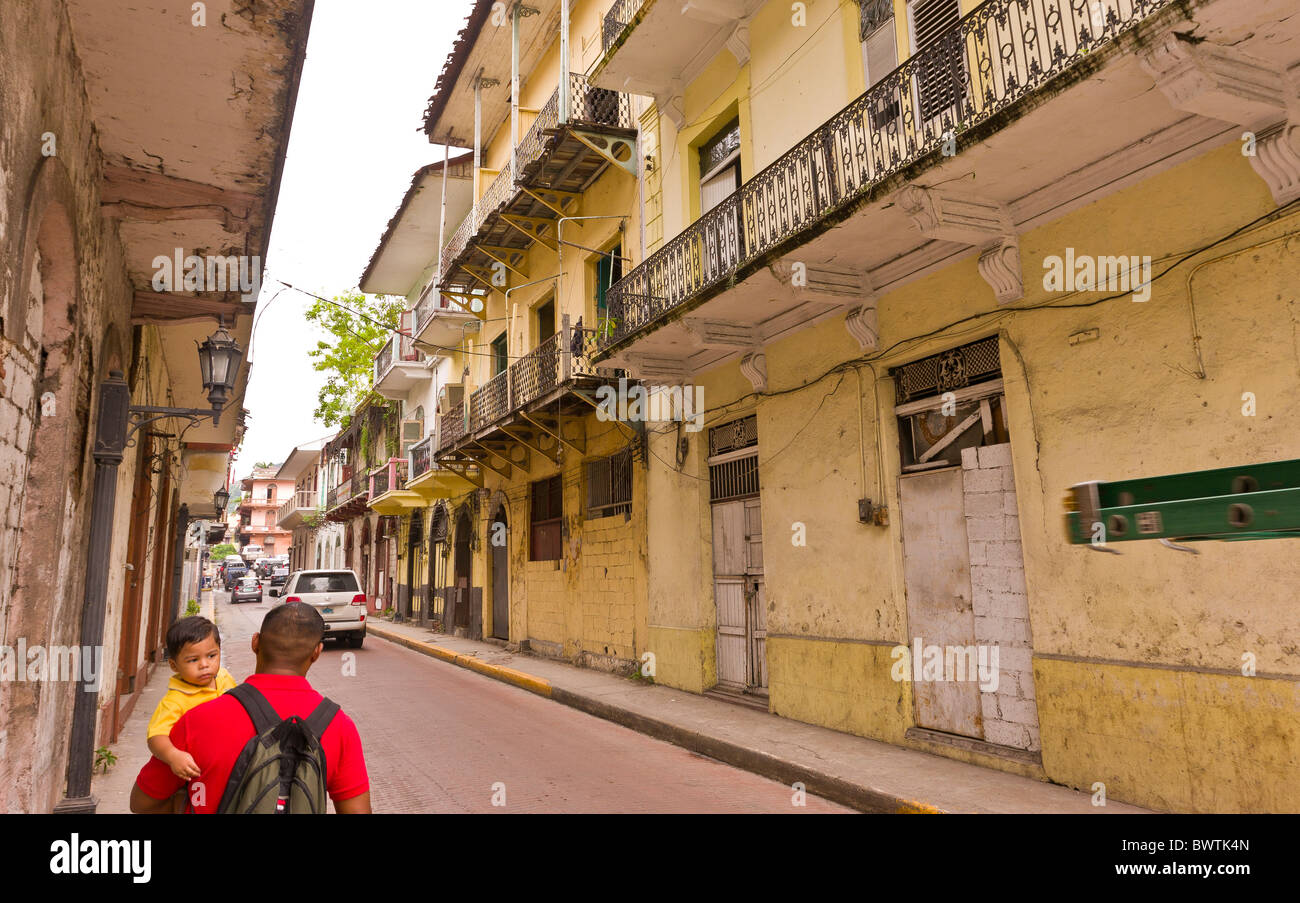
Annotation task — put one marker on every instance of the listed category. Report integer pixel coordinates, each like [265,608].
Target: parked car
[232,575]
[279,575]
[337,596]
[247,589]
[260,566]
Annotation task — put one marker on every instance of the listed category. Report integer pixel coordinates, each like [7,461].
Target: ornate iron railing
[384,359]
[996,55]
[620,15]
[589,105]
[456,245]
[533,144]
[421,454]
[451,425]
[500,191]
[537,372]
[490,401]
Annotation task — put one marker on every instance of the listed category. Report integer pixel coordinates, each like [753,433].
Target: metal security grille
[438,529]
[733,436]
[872,14]
[733,479]
[609,485]
[955,368]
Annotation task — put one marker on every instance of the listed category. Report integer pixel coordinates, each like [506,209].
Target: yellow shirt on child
[181,697]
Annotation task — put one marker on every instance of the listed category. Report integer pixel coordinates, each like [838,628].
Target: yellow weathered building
[864,231]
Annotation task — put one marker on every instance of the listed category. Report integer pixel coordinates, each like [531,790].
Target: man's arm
[143,804]
[357,805]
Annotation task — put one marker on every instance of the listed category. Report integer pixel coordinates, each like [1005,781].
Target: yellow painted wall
[1129,404]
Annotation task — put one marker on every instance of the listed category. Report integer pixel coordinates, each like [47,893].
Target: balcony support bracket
[562,203]
[619,151]
[534,227]
[527,441]
[971,220]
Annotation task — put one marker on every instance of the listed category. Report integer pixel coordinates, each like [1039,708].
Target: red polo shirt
[215,733]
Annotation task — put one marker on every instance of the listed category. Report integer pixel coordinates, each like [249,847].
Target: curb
[818,783]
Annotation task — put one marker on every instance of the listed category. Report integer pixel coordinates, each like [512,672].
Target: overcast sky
[355,144]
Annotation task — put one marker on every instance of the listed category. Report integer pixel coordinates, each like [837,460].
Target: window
[719,166]
[609,269]
[500,357]
[545,518]
[270,491]
[947,402]
[609,485]
[327,583]
[545,321]
[879,58]
[940,72]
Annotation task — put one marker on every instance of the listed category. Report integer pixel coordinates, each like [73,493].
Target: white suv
[337,596]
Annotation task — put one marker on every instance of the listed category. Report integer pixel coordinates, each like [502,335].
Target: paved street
[437,738]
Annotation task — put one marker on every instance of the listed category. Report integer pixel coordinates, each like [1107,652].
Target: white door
[739,594]
[936,570]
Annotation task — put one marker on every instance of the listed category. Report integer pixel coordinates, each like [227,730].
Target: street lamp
[219,500]
[219,360]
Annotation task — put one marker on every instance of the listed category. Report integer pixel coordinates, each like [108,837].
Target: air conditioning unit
[450,395]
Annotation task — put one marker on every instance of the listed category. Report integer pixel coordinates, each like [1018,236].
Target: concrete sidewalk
[865,774]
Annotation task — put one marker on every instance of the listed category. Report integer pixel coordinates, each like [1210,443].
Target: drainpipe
[564,62]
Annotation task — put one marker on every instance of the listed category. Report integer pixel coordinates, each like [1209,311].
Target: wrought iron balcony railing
[391,475]
[546,368]
[588,105]
[420,457]
[384,360]
[618,18]
[456,244]
[451,425]
[302,498]
[993,57]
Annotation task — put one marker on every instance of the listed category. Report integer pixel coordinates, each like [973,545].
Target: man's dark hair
[290,632]
[194,629]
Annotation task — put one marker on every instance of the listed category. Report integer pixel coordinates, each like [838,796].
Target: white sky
[356,142]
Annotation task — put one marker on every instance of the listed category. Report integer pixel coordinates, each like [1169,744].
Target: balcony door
[940,80]
[719,179]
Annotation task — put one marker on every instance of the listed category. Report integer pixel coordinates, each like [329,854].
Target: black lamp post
[219,500]
[220,358]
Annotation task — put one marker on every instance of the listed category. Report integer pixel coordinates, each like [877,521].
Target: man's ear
[315,653]
[256,639]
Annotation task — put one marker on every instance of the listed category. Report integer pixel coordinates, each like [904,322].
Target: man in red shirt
[214,733]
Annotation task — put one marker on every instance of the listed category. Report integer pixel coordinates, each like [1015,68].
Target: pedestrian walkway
[866,774]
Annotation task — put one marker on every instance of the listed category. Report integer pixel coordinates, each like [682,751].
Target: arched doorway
[413,602]
[438,566]
[464,572]
[498,533]
[367,586]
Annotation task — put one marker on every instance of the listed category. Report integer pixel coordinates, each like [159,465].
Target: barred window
[545,519]
[609,485]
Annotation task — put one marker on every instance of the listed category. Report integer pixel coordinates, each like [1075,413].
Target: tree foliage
[357,331]
[220,552]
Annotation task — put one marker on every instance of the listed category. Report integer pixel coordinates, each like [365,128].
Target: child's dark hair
[194,629]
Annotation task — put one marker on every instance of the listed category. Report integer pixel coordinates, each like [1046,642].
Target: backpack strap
[321,717]
[259,710]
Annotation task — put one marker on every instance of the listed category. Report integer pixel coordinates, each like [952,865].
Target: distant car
[233,573]
[279,575]
[337,596]
[247,589]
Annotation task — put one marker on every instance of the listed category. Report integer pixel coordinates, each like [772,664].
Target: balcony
[647,44]
[261,502]
[388,492]
[844,197]
[537,405]
[296,508]
[399,365]
[557,160]
[348,499]
[440,323]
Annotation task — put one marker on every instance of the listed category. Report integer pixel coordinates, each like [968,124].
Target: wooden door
[500,577]
[739,594]
[936,570]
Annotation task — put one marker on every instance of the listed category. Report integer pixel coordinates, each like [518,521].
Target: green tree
[219,553]
[357,330]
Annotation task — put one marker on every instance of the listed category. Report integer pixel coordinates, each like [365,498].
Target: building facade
[92,546]
[264,492]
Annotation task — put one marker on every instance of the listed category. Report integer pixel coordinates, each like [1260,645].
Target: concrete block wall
[999,596]
[605,587]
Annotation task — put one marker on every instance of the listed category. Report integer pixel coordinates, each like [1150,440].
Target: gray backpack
[281,770]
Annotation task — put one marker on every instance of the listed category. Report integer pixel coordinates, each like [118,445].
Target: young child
[194,653]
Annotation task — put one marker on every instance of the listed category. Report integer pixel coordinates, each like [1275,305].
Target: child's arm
[179,761]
